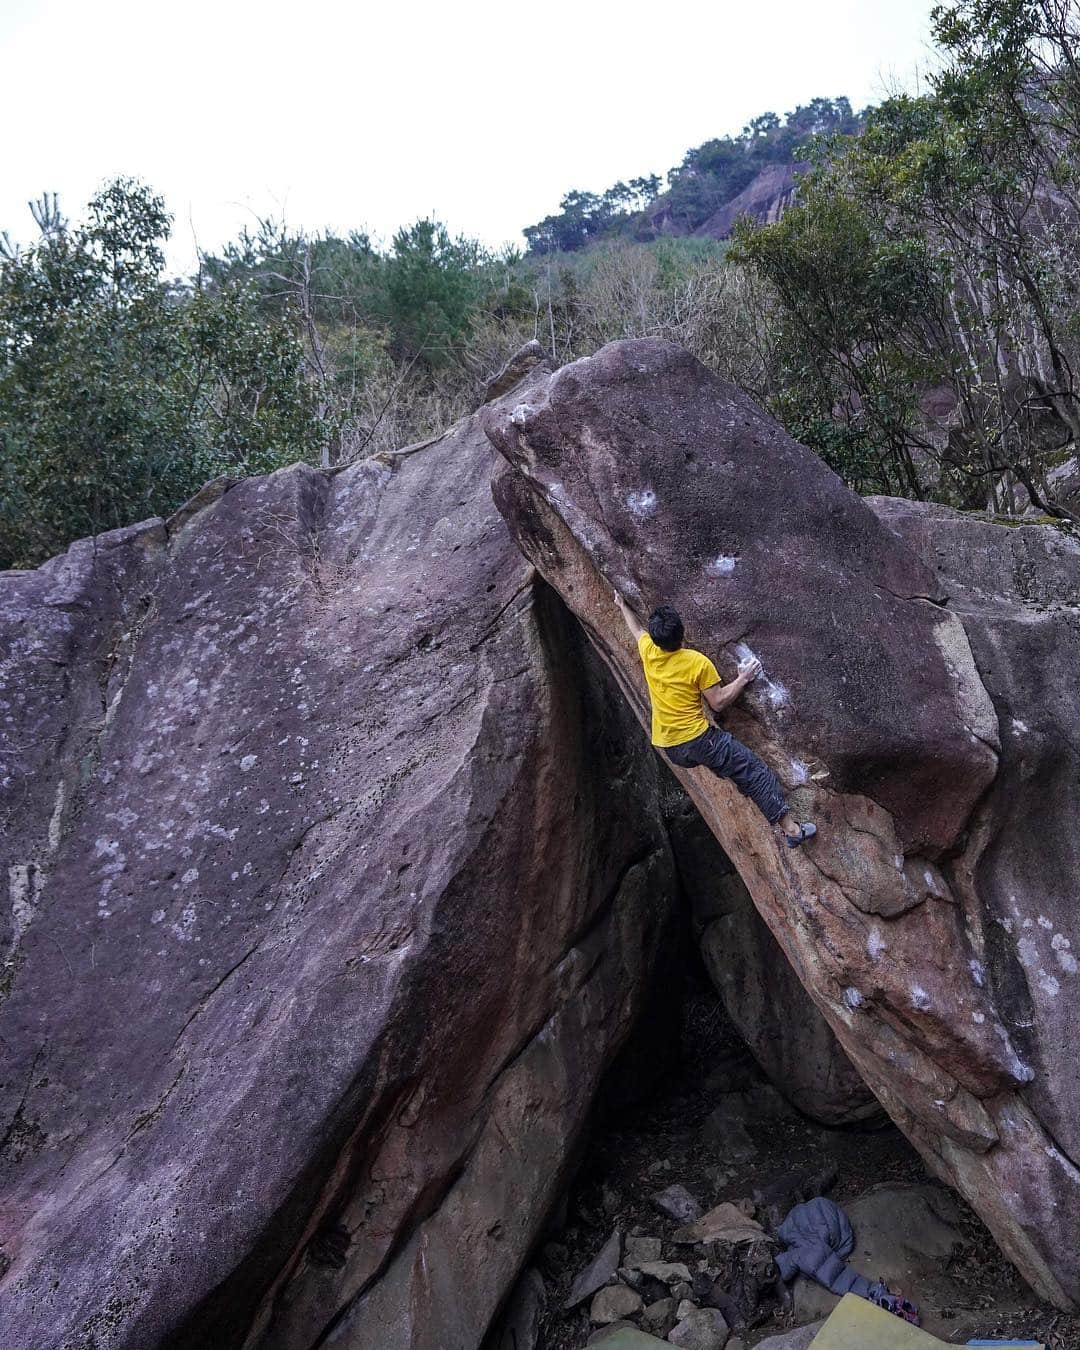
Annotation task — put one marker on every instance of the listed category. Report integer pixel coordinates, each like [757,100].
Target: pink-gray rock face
[774,1014]
[764,200]
[331,895]
[879,709]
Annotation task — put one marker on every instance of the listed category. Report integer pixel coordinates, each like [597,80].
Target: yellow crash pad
[856,1324]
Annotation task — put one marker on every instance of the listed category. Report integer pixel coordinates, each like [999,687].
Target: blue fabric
[819,1236]
[719,751]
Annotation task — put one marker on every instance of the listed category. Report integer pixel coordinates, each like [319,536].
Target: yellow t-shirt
[675,681]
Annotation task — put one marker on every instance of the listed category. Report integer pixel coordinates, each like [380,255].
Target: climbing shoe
[806,831]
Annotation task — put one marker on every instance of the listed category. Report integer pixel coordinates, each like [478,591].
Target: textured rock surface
[331,896]
[637,467]
[775,1015]
[764,200]
[798,1339]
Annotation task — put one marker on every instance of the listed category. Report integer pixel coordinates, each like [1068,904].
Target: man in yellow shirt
[679,678]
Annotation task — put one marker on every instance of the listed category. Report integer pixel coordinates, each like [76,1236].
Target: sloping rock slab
[640,469]
[331,899]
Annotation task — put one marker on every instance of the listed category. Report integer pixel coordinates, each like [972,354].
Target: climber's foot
[806,831]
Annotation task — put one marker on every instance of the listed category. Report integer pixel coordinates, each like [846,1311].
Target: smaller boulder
[677,1203]
[668,1271]
[757,1104]
[519,1326]
[703,1329]
[613,1303]
[726,1135]
[659,1317]
[640,1249]
[600,1271]
[724,1223]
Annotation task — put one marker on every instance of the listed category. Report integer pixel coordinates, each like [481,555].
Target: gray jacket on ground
[818,1237]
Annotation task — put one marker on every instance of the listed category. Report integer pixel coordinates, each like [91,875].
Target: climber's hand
[749,669]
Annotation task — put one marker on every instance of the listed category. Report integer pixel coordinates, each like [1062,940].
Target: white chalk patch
[852,998]
[776,694]
[248,762]
[192,874]
[1049,984]
[1027,952]
[1044,922]
[1018,725]
[919,998]
[723,566]
[978,973]
[800,772]
[642,503]
[978,1018]
[1065,958]
[875,943]
[24,888]
[57,816]
[522,413]
[1007,924]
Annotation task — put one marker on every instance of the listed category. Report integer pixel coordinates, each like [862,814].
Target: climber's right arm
[636,629]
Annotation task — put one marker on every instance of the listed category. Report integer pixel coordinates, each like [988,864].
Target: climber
[679,678]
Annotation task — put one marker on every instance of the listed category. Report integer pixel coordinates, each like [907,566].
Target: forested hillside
[913,314]
[710,176]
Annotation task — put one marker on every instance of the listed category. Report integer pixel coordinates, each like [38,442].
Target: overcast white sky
[359,115]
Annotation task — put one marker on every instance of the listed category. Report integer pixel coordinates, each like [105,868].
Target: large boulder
[332,892]
[905,919]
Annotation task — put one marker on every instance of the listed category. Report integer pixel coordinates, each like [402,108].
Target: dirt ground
[637,1150]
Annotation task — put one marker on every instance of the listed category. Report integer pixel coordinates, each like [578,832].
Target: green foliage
[938,249]
[433,285]
[120,397]
[586,217]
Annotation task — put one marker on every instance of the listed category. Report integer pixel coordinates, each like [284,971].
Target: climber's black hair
[666,628]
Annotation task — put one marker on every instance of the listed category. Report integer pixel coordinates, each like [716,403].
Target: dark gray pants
[719,751]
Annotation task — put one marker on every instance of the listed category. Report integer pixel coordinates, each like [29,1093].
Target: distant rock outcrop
[919,700]
[762,201]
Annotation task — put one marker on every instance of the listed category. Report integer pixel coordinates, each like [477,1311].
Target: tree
[944,252]
[120,395]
